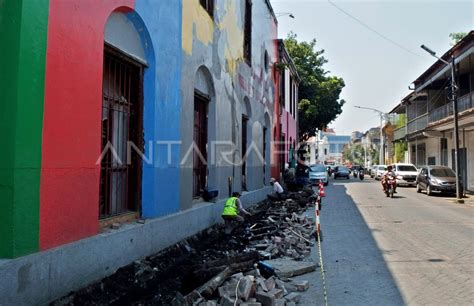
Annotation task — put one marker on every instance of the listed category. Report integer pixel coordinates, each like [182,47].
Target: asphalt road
[409,250]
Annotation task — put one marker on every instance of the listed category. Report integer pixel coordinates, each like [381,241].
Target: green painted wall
[23,34]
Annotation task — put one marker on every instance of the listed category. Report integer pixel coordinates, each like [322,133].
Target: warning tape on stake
[319,236]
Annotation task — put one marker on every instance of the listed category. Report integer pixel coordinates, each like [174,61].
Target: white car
[405,174]
[379,171]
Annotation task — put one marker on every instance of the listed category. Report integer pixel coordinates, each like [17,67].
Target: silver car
[379,171]
[318,173]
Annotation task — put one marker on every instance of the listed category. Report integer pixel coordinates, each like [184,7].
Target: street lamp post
[454,100]
[382,144]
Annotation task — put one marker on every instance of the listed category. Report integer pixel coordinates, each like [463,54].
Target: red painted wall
[69,194]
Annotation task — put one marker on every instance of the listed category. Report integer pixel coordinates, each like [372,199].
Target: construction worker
[233,211]
[278,191]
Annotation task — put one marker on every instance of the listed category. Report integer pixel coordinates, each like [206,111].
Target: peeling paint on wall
[196,23]
[234,44]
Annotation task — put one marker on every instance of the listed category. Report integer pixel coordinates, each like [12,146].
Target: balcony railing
[400,133]
[464,103]
[418,124]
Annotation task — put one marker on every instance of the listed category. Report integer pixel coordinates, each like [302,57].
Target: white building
[327,148]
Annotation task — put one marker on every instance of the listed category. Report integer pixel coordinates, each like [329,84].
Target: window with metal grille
[248,32]
[208,5]
[200,143]
[120,175]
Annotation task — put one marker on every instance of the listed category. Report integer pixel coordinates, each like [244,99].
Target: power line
[373,30]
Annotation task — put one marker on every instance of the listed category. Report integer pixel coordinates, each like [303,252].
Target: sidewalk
[356,273]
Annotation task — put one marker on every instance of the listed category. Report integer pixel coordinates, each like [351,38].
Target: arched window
[203,93]
[122,117]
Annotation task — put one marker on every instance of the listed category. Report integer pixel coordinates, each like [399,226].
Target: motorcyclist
[384,180]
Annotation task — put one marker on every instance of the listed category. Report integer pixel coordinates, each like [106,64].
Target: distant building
[327,148]
[356,136]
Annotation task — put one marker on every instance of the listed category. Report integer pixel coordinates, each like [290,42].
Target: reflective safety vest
[230,208]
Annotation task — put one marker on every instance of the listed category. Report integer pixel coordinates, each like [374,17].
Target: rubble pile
[208,268]
[248,289]
[282,230]
[285,236]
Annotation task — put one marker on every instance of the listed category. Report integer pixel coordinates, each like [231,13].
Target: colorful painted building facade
[105,104]
[287,127]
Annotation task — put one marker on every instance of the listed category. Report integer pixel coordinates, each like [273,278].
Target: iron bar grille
[120,176]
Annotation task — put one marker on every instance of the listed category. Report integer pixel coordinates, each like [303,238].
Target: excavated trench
[185,266]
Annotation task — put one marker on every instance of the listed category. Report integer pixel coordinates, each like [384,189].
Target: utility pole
[454,98]
[382,140]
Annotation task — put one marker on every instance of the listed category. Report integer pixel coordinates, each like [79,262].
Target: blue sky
[377,72]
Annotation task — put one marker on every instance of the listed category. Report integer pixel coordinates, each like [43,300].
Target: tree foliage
[456,37]
[355,154]
[319,93]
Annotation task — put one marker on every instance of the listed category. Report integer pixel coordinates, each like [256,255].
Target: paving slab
[289,268]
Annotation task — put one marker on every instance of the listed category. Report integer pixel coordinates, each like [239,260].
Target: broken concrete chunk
[290,268]
[290,304]
[293,297]
[270,283]
[246,288]
[227,290]
[277,293]
[301,285]
[261,284]
[265,298]
[251,304]
[238,275]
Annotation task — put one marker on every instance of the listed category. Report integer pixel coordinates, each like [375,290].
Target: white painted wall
[433,149]
[470,159]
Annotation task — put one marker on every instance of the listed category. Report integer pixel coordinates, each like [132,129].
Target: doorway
[201,103]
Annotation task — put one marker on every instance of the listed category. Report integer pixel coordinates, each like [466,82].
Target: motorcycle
[354,173]
[361,174]
[390,186]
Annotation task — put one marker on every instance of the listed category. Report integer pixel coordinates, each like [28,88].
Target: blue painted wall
[162,105]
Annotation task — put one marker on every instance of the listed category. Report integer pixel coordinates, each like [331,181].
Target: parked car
[318,173]
[405,174]
[341,171]
[379,171]
[439,179]
[372,170]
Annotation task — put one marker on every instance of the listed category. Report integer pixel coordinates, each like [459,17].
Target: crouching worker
[233,212]
[278,191]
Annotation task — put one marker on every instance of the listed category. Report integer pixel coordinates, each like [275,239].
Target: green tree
[355,154]
[400,149]
[319,93]
[456,37]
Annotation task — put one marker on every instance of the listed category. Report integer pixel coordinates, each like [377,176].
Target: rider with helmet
[384,179]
